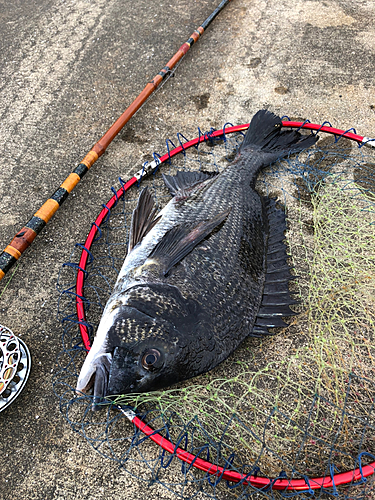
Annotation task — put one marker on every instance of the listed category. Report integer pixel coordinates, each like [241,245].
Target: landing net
[290,408]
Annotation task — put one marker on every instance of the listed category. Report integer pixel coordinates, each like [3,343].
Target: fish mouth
[98,381]
[103,368]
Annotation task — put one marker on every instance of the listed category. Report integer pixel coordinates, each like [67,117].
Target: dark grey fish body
[208,273]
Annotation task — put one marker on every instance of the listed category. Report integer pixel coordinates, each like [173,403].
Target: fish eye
[151,360]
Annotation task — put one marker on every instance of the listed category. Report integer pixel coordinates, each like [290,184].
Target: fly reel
[15,365]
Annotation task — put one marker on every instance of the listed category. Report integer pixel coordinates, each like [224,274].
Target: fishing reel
[15,366]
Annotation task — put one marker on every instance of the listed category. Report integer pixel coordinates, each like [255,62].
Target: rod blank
[28,233]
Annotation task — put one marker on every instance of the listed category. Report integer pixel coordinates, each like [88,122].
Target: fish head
[139,353]
[139,348]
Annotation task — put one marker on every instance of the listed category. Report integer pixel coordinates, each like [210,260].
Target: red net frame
[300,485]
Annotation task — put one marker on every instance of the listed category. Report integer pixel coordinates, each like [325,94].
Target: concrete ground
[68,70]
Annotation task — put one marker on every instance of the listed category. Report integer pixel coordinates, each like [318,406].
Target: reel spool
[15,366]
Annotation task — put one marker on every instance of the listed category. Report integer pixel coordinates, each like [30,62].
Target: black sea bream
[206,272]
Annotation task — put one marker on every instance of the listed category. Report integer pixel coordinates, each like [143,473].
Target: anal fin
[276,296]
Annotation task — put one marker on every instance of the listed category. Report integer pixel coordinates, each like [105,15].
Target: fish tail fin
[265,134]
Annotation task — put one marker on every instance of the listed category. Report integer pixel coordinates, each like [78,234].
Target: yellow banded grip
[90,159]
[13,252]
[70,182]
[47,210]
[2,274]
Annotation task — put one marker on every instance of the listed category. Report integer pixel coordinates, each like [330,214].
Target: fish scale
[207,273]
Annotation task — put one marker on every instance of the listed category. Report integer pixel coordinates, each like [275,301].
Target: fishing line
[312,172]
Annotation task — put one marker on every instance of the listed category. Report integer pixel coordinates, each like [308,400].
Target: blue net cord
[128,445]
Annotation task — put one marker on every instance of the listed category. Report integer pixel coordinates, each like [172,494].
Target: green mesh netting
[299,404]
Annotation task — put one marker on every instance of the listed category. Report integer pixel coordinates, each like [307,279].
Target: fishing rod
[34,226]
[15,360]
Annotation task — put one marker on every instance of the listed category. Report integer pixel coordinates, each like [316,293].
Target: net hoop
[329,481]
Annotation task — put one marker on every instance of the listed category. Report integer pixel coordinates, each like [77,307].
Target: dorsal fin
[185,180]
[276,296]
[142,219]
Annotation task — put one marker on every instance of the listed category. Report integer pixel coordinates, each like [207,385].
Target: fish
[206,272]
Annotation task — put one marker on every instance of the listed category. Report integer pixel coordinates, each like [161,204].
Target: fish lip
[86,389]
[103,368]
[99,379]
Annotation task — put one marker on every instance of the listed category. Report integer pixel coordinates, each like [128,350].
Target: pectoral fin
[180,241]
